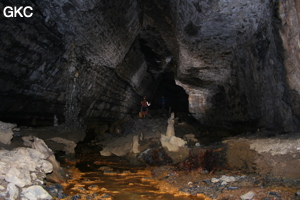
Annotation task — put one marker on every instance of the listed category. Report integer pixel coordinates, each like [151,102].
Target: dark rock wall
[31,67]
[82,60]
[231,64]
[90,66]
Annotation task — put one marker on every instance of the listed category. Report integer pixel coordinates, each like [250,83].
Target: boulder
[18,176]
[12,190]
[62,144]
[119,147]
[155,156]
[35,192]
[26,168]
[58,175]
[172,143]
[6,133]
[118,150]
[277,156]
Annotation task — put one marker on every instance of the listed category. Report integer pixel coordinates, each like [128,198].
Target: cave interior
[76,71]
[224,64]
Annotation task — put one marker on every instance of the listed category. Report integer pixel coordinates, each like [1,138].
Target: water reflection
[117,181]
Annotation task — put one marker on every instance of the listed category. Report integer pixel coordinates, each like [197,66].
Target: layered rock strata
[87,61]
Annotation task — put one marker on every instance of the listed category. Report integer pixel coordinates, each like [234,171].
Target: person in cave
[163,102]
[144,108]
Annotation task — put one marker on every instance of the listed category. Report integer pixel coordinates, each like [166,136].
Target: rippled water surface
[118,181]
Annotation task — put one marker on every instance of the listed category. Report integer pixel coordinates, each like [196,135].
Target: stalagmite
[135,144]
[170,141]
[55,121]
[170,129]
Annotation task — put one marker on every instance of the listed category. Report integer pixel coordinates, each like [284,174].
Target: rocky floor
[204,174]
[96,177]
[186,180]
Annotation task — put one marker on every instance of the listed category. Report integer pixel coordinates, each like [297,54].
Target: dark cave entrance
[160,65]
[176,97]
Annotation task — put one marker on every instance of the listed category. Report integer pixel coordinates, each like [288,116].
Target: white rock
[12,176]
[6,133]
[215,180]
[33,176]
[228,178]
[45,166]
[3,191]
[13,191]
[172,143]
[27,140]
[3,152]
[35,192]
[224,183]
[177,141]
[3,194]
[105,152]
[36,154]
[40,146]
[4,167]
[165,142]
[247,196]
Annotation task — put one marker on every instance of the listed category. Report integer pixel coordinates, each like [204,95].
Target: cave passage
[74,73]
[175,96]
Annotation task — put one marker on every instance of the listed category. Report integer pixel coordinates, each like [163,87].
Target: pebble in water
[248,195]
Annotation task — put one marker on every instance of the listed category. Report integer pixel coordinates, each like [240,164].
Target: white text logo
[10,11]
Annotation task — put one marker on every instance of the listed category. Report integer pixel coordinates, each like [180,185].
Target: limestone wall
[237,60]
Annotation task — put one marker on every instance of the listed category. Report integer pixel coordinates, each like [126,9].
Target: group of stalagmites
[23,169]
[170,146]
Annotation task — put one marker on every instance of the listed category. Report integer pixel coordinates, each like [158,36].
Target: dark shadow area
[174,95]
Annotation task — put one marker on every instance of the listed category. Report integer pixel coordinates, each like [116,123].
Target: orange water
[122,183]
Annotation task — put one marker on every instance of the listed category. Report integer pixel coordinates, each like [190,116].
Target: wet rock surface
[207,172]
